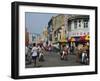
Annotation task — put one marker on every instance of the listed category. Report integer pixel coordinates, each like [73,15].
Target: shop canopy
[85,38]
[81,39]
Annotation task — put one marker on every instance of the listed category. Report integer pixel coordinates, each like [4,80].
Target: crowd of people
[36,52]
[81,52]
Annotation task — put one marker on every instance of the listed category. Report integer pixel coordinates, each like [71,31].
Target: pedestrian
[88,55]
[38,51]
[41,54]
[84,59]
[34,53]
[26,53]
[61,52]
[72,50]
[64,55]
[76,52]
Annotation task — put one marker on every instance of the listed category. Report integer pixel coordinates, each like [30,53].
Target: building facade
[62,27]
[58,29]
[26,37]
[78,27]
[50,30]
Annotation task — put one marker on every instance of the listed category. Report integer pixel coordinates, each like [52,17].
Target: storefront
[75,41]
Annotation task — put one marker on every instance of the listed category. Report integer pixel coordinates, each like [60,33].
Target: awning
[79,39]
[85,38]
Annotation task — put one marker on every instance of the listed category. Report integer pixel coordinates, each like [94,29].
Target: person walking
[41,54]
[84,57]
[34,53]
[64,55]
[26,53]
[76,52]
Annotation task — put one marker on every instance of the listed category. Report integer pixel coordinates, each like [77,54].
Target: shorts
[34,57]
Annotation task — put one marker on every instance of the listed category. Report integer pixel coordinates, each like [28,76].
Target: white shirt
[26,50]
[34,51]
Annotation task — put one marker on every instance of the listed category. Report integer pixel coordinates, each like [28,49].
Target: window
[75,24]
[79,23]
[85,23]
[69,25]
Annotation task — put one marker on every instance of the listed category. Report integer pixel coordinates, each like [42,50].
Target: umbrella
[82,38]
[87,37]
[72,39]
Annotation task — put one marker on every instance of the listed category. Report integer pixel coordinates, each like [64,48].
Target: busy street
[58,40]
[53,59]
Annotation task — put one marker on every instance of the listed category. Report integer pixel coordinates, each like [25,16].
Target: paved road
[52,59]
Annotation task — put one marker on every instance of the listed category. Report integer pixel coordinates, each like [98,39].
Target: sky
[35,22]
